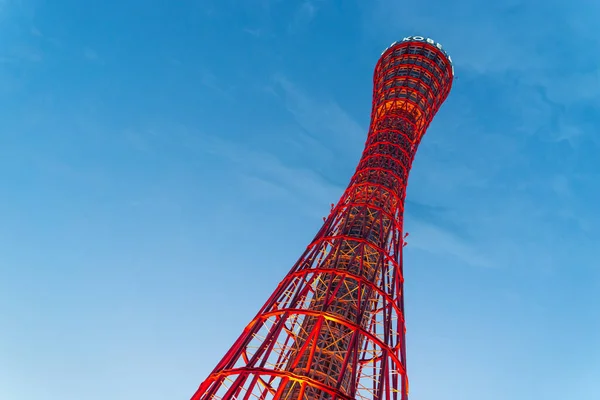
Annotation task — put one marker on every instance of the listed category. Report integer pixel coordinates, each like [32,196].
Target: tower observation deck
[334,327]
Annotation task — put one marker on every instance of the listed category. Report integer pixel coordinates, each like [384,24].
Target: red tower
[334,327]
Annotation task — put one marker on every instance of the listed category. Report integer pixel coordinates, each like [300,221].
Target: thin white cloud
[27,53]
[209,80]
[431,238]
[325,118]
[36,32]
[271,174]
[90,54]
[253,32]
[303,15]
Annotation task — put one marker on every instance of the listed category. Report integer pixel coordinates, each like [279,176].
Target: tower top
[423,39]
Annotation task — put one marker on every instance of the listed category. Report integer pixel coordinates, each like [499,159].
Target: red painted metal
[334,327]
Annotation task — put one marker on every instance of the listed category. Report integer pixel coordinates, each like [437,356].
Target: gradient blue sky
[163,164]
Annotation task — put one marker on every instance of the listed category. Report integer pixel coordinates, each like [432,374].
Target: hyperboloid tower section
[334,327]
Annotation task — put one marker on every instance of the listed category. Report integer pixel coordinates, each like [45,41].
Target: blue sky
[163,164]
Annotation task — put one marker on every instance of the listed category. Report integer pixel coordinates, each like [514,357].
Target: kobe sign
[423,39]
[430,41]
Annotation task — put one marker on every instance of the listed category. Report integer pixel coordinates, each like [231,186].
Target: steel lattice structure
[334,327]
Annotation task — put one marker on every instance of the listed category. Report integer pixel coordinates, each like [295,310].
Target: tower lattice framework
[334,327]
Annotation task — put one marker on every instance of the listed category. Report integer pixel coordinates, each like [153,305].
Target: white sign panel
[426,40]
